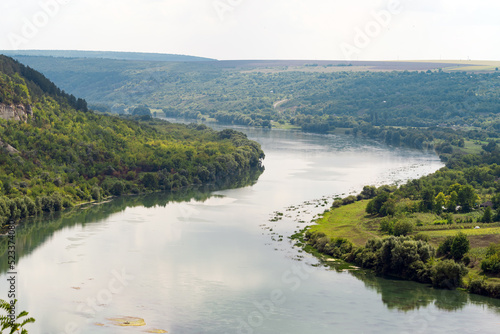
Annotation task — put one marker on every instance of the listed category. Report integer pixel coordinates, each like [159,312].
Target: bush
[422,237]
[376,204]
[150,181]
[387,225]
[445,247]
[403,228]
[117,188]
[491,264]
[447,274]
[456,246]
[459,246]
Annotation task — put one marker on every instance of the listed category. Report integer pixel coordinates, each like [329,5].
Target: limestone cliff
[18,112]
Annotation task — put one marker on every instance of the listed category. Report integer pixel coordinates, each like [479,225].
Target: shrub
[455,247]
[421,236]
[491,264]
[447,274]
[459,246]
[387,225]
[403,227]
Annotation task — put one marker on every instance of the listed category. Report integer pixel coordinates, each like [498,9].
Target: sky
[259,29]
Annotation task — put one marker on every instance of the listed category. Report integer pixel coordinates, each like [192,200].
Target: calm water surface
[217,264]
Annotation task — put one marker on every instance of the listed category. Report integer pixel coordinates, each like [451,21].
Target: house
[486,204]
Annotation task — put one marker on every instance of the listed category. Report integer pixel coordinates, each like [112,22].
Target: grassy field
[349,221]
[468,65]
[352,222]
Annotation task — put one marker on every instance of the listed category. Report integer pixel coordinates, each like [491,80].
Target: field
[349,221]
[326,66]
[352,222]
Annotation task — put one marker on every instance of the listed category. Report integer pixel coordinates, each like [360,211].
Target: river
[212,261]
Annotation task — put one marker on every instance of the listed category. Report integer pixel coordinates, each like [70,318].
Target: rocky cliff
[18,112]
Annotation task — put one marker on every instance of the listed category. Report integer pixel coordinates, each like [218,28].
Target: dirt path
[277,104]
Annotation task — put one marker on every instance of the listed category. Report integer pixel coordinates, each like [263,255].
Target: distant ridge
[105,55]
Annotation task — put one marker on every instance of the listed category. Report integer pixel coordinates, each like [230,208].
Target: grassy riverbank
[349,232]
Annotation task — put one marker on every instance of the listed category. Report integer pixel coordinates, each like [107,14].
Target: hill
[414,104]
[59,153]
[141,56]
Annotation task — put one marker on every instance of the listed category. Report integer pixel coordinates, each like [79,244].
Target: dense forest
[66,154]
[403,108]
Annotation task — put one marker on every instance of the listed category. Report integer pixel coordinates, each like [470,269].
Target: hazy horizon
[389,30]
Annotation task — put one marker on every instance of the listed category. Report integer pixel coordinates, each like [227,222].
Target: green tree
[11,322]
[402,228]
[428,199]
[452,201]
[150,180]
[376,204]
[487,216]
[439,203]
[459,246]
[467,197]
[447,274]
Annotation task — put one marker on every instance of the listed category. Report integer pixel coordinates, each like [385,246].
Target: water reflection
[405,296]
[34,231]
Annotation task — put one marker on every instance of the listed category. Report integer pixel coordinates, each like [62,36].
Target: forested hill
[105,55]
[316,97]
[62,153]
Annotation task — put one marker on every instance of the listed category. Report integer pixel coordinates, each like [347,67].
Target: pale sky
[259,29]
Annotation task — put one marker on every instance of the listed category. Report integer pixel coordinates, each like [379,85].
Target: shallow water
[217,265]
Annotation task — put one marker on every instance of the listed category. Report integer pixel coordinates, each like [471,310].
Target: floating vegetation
[127,321]
[156,331]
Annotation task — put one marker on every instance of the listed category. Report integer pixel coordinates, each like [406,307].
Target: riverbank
[349,233]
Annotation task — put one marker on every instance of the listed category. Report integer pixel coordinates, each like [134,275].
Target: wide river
[213,261]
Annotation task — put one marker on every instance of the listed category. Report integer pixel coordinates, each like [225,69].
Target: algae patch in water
[156,331]
[128,321]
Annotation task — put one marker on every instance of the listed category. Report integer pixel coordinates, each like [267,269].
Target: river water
[212,261]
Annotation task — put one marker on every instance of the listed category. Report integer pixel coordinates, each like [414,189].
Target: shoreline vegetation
[64,154]
[442,229]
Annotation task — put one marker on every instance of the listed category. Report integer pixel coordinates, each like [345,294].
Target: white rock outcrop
[17,112]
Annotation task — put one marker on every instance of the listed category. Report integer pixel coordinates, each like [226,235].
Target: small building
[486,204]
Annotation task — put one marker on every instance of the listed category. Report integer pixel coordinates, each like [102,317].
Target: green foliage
[460,246]
[10,321]
[491,263]
[455,247]
[376,205]
[487,215]
[141,111]
[403,228]
[368,192]
[68,155]
[447,274]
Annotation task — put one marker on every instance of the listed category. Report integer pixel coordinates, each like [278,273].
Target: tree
[150,180]
[496,201]
[142,111]
[467,197]
[439,203]
[376,204]
[452,201]
[445,247]
[447,274]
[403,228]
[368,192]
[490,147]
[459,246]
[487,216]
[428,199]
